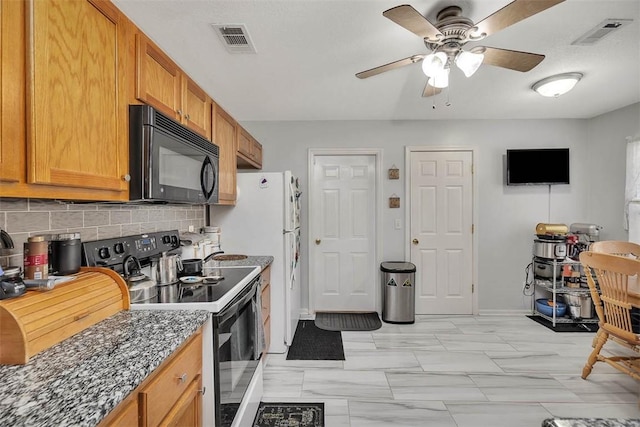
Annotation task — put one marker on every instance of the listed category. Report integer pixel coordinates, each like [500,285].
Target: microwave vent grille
[177,129]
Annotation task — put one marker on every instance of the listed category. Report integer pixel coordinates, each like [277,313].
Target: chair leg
[601,337]
[595,339]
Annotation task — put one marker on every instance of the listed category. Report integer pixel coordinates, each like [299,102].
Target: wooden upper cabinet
[12,92]
[197,107]
[225,136]
[158,78]
[161,84]
[249,151]
[77,122]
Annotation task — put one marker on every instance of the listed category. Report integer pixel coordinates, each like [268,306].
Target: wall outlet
[191,229]
[398,224]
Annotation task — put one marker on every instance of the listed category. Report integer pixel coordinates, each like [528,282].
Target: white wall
[507,215]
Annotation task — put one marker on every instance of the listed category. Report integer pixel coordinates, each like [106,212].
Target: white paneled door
[441,230]
[342,250]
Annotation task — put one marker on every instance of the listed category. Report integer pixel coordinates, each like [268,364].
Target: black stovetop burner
[204,290]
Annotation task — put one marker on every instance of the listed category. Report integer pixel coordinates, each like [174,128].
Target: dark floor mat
[290,415]
[566,327]
[312,343]
[348,321]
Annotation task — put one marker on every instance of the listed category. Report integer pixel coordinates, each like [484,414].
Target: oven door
[236,353]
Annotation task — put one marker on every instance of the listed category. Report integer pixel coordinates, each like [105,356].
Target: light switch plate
[398,224]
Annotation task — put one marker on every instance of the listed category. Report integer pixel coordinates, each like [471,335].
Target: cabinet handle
[179,112]
[203,390]
[126,177]
[182,378]
[188,117]
[415,241]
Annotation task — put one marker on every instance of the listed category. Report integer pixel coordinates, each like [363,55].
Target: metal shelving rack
[555,287]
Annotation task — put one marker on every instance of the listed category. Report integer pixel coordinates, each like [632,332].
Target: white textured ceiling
[308,52]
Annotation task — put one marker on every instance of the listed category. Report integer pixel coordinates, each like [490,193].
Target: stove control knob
[118,248]
[166,239]
[104,253]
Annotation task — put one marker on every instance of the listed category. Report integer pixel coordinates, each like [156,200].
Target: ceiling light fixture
[434,63]
[557,85]
[440,80]
[469,62]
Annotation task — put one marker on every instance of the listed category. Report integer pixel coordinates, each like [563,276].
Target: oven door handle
[230,311]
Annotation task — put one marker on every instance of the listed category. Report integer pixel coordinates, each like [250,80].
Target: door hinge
[471,169]
[473,288]
[473,228]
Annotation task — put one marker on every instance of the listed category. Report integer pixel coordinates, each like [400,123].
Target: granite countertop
[590,422]
[261,261]
[80,380]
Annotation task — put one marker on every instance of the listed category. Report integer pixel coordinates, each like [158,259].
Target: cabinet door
[125,414]
[197,108]
[158,78]
[76,123]
[244,143]
[12,81]
[249,151]
[187,411]
[225,138]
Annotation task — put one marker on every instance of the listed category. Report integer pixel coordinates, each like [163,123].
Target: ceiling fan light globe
[434,63]
[441,80]
[469,62]
[555,86]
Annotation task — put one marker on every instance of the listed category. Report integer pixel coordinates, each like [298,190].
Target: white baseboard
[504,312]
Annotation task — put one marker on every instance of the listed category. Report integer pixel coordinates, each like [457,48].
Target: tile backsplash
[22,218]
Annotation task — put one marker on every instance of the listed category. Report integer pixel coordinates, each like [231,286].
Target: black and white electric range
[232,340]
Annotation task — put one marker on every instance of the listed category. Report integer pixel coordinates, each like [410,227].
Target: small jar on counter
[36,258]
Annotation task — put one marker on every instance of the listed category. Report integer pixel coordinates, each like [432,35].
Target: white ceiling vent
[235,38]
[600,31]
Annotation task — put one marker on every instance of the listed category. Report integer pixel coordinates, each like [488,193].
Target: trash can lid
[397,267]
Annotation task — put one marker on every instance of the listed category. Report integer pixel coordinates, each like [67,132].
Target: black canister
[65,254]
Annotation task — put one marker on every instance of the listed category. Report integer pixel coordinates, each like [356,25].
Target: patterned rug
[290,415]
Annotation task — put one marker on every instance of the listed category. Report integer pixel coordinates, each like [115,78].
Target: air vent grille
[600,31]
[235,38]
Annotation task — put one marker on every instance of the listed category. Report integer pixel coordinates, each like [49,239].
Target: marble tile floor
[458,371]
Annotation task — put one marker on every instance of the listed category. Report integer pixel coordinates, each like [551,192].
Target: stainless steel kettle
[141,287]
[164,270]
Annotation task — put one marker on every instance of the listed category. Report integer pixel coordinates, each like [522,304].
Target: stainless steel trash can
[399,294]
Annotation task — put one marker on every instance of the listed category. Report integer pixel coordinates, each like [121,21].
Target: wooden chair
[613,306]
[616,247]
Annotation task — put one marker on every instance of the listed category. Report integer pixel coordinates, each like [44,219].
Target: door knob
[318,241]
[415,241]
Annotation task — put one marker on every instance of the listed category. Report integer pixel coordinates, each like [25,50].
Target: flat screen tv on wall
[538,166]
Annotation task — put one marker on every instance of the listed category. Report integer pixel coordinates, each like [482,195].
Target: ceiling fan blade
[412,20]
[430,90]
[390,66]
[511,59]
[514,12]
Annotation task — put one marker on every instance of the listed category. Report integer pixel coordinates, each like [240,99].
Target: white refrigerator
[266,221]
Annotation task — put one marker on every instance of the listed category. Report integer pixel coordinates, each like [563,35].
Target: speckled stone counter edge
[261,261]
[80,380]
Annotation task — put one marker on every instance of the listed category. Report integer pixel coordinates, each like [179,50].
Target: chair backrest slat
[612,273]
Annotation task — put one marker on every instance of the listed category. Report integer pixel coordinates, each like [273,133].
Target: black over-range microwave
[168,162]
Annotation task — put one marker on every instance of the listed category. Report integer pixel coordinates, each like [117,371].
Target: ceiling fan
[447,37]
